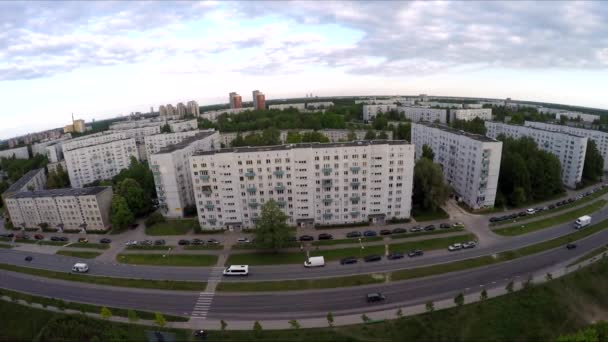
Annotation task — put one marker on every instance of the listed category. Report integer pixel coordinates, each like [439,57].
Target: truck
[582,221]
[316,261]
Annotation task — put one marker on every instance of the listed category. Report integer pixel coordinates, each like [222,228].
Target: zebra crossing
[205,298]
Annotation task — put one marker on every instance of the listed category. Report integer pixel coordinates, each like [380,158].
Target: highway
[286,272]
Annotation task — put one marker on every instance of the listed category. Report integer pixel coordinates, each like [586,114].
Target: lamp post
[361,253]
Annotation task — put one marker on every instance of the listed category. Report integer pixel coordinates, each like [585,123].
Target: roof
[186,142]
[303,145]
[451,130]
[541,129]
[21,182]
[62,192]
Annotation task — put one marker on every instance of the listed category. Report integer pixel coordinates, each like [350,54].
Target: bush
[155,218]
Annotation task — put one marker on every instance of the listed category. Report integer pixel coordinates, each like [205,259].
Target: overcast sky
[101,59]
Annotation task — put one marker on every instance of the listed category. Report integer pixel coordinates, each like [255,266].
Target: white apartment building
[41,147]
[577,115]
[283,106]
[441,104]
[130,124]
[52,167]
[569,149]
[155,143]
[600,138]
[314,184]
[181,110]
[87,208]
[193,108]
[470,114]
[99,161]
[319,105]
[334,135]
[371,111]
[213,114]
[417,114]
[18,153]
[470,162]
[93,139]
[171,169]
[390,101]
[183,125]
[473,105]
[33,180]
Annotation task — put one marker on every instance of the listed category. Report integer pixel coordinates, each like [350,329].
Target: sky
[103,59]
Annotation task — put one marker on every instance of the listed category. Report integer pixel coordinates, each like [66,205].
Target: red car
[39,237]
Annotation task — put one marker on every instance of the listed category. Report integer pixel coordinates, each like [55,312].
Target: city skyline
[104,59]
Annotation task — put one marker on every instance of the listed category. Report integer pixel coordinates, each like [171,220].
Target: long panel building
[155,143]
[314,184]
[470,114]
[470,162]
[33,180]
[18,153]
[417,114]
[568,148]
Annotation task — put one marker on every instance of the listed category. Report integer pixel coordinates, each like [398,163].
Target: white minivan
[316,261]
[236,270]
[80,267]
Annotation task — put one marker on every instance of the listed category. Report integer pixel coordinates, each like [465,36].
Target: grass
[30,241]
[254,246]
[3,245]
[591,255]
[121,282]
[5,239]
[550,221]
[308,284]
[53,243]
[422,216]
[556,209]
[89,245]
[172,227]
[150,248]
[346,241]
[203,247]
[79,254]
[431,244]
[168,260]
[425,233]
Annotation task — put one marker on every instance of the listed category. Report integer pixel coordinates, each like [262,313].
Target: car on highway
[307,238]
[83,240]
[455,247]
[370,233]
[445,226]
[372,258]
[236,270]
[213,242]
[160,242]
[429,227]
[325,236]
[375,297]
[415,253]
[399,231]
[469,244]
[386,232]
[348,261]
[131,243]
[183,242]
[28,258]
[198,242]
[105,240]
[571,246]
[353,234]
[39,237]
[395,256]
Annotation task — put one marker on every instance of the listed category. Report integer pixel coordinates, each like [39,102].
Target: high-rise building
[162,110]
[181,110]
[332,183]
[193,108]
[259,100]
[235,100]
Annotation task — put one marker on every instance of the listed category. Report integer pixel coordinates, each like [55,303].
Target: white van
[236,270]
[80,267]
[317,261]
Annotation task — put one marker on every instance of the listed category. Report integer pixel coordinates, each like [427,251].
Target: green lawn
[3,245]
[5,239]
[79,254]
[53,243]
[31,241]
[89,245]
[550,221]
[203,247]
[172,227]
[425,233]
[168,259]
[150,248]
[421,216]
[346,241]
[301,284]
[122,282]
[431,244]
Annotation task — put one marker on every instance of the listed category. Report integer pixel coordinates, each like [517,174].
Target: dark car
[353,235]
[369,233]
[386,232]
[571,246]
[64,239]
[522,214]
[213,242]
[28,258]
[416,229]
[133,225]
[399,230]
[55,238]
[494,219]
[513,216]
[348,261]
[415,253]
[8,235]
[395,256]
[551,206]
[570,200]
[197,242]
[325,236]
[445,226]
[375,297]
[306,238]
[39,237]
[105,240]
[429,227]
[159,242]
[183,242]
[371,258]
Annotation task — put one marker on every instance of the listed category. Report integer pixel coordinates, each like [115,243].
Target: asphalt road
[285,272]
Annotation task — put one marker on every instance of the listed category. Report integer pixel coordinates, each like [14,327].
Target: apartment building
[103,160]
[470,114]
[155,143]
[193,108]
[18,153]
[417,114]
[41,147]
[314,184]
[319,105]
[87,209]
[212,115]
[600,138]
[52,167]
[235,100]
[470,162]
[259,100]
[283,106]
[334,135]
[371,111]
[568,148]
[171,169]
[577,116]
[33,180]
[183,125]
[441,104]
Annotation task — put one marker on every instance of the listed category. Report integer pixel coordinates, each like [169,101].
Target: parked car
[83,240]
[306,238]
[146,243]
[372,258]
[133,225]
[39,237]
[415,253]
[445,226]
[105,240]
[348,261]
[551,206]
[455,247]
[386,232]
[395,256]
[399,230]
[28,258]
[325,236]
[131,243]
[494,219]
[571,246]
[7,235]
[64,239]
[375,297]
[429,227]
[183,242]
[531,211]
[159,242]
[22,236]
[370,233]
[457,225]
[198,242]
[353,234]
[416,229]
[213,242]
[469,244]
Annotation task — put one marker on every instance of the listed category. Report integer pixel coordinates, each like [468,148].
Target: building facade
[417,114]
[183,125]
[18,153]
[87,208]
[259,100]
[371,111]
[33,180]
[470,162]
[235,100]
[314,184]
[171,169]
[334,135]
[569,149]
[299,106]
[470,114]
[193,108]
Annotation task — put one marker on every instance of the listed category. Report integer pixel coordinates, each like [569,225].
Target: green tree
[238,141]
[430,191]
[272,231]
[165,128]
[257,329]
[294,137]
[380,122]
[510,287]
[365,319]
[351,136]
[271,136]
[382,135]
[589,334]
[370,135]
[132,316]
[430,307]
[484,295]
[105,313]
[403,131]
[399,313]
[140,172]
[294,324]
[427,152]
[159,320]
[330,319]
[137,200]
[459,300]
[593,168]
[314,137]
[120,214]
[475,126]
[223,325]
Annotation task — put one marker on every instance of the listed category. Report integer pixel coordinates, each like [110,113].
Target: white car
[131,243]
[455,247]
[470,244]
[531,211]
[243,240]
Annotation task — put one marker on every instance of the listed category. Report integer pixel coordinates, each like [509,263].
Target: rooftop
[21,182]
[186,142]
[538,129]
[62,192]
[448,129]
[304,145]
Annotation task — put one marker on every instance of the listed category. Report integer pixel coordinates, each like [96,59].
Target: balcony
[249,174]
[207,190]
[327,182]
[253,205]
[355,198]
[278,172]
[327,200]
[279,187]
[211,220]
[354,213]
[327,216]
[281,203]
[209,206]
[204,177]
[326,170]
[355,183]
[355,168]
[252,189]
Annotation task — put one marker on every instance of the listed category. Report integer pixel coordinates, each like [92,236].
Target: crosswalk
[216,275]
[201,308]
